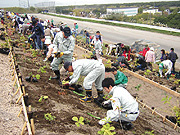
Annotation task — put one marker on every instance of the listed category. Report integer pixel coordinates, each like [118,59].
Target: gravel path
[10,124]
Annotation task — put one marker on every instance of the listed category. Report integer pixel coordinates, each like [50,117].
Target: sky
[23,3]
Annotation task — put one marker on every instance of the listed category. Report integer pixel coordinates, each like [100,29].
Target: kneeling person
[125,107]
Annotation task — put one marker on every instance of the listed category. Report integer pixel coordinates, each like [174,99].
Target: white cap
[152,49]
[47,41]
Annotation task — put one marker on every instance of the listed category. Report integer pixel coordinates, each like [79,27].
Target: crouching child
[125,107]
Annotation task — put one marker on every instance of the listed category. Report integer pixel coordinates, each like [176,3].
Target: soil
[64,104]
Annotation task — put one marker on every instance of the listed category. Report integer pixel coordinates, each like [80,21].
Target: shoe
[127,125]
[86,99]
[57,75]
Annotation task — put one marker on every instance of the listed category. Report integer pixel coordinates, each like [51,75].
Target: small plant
[137,87]
[166,99]
[41,69]
[147,72]
[49,117]
[106,130]
[37,76]
[43,97]
[149,132]
[78,121]
[176,110]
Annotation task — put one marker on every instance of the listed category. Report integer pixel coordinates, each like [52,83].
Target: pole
[28,4]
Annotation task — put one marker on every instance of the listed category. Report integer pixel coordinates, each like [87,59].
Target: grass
[18,10]
[121,25]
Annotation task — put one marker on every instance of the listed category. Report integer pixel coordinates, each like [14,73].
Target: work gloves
[59,54]
[105,103]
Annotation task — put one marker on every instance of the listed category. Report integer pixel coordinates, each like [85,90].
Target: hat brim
[67,34]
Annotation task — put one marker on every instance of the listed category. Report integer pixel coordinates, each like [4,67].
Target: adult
[87,36]
[52,50]
[94,72]
[173,57]
[163,55]
[145,50]
[98,47]
[100,37]
[125,107]
[120,78]
[121,61]
[150,57]
[166,64]
[124,50]
[38,33]
[65,44]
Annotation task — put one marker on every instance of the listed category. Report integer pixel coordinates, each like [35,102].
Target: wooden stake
[175,126]
[144,105]
[19,98]
[15,81]
[20,112]
[29,108]
[16,91]
[13,77]
[153,111]
[23,89]
[20,82]
[23,128]
[13,71]
[164,119]
[32,126]
[12,63]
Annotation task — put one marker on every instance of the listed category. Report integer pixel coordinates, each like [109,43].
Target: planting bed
[64,104]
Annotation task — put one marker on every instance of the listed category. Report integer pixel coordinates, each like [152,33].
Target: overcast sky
[23,3]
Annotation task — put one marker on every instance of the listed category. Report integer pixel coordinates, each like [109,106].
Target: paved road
[114,34]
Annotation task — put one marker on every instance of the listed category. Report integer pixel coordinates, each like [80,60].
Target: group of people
[59,44]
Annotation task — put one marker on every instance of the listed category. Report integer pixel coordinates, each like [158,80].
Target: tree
[32,8]
[140,10]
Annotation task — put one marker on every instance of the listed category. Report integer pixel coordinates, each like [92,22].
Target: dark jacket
[38,29]
[163,57]
[173,56]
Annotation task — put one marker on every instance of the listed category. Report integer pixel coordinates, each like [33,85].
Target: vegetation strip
[93,116]
[120,25]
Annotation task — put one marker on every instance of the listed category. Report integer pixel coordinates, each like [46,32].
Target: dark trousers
[173,65]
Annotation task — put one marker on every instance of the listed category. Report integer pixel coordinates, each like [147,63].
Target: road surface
[115,34]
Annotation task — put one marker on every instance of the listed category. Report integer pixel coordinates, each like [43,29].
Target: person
[124,50]
[120,78]
[100,38]
[163,55]
[109,49]
[173,57]
[52,50]
[87,36]
[39,32]
[145,50]
[125,107]
[166,64]
[98,47]
[94,72]
[150,57]
[65,44]
[121,61]
[141,63]
[76,28]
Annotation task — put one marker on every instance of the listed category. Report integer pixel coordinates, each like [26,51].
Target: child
[120,78]
[125,107]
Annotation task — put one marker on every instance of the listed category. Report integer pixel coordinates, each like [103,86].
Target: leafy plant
[106,130]
[41,69]
[43,97]
[166,99]
[37,76]
[78,121]
[149,132]
[137,87]
[176,110]
[49,117]
[147,72]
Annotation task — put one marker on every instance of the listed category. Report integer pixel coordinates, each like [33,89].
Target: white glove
[105,102]
[166,74]
[102,122]
[45,59]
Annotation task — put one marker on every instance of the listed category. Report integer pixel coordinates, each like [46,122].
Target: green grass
[121,25]
[18,10]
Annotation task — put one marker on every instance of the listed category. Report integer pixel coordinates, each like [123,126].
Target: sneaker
[86,99]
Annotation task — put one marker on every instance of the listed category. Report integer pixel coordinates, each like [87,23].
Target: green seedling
[49,117]
[41,69]
[94,116]
[38,76]
[43,97]
[149,132]
[78,121]
[176,110]
[147,72]
[138,87]
[50,78]
[166,99]
[106,130]
[107,96]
